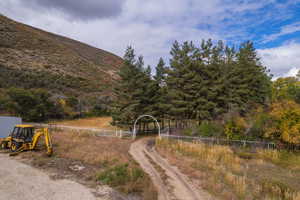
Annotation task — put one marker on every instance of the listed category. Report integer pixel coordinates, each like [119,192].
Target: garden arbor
[142,116]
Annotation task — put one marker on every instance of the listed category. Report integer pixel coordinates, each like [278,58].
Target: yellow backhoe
[26,137]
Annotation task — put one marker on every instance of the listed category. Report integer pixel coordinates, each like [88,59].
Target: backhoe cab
[26,137]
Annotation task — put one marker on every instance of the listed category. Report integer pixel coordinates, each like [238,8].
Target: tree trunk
[144,127]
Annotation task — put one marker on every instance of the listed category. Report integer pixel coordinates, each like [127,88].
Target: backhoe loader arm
[48,142]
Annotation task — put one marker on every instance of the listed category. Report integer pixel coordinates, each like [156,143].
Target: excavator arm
[43,132]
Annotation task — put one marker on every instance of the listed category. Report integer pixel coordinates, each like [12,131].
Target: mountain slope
[32,58]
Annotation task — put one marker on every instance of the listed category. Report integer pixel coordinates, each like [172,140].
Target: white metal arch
[140,117]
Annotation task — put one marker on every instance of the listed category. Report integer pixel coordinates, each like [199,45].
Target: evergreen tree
[161,106]
[125,92]
[210,102]
[178,81]
[134,93]
[148,71]
[160,69]
[202,83]
[230,61]
[249,81]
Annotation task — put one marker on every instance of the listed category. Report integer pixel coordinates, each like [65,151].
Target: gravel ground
[21,181]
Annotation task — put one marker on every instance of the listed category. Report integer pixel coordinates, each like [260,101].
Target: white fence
[93,131]
[220,141]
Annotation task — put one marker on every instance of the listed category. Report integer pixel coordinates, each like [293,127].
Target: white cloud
[152,25]
[292,72]
[288,29]
[283,60]
[79,10]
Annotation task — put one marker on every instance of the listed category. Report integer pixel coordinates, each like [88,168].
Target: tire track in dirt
[177,186]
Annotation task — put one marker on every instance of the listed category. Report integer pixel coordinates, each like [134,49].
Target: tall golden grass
[225,170]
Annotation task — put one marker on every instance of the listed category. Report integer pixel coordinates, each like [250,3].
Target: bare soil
[19,180]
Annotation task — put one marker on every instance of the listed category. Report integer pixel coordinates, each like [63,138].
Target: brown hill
[33,58]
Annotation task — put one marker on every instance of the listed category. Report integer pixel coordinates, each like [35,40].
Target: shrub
[209,129]
[258,128]
[235,128]
[190,131]
[206,129]
[120,175]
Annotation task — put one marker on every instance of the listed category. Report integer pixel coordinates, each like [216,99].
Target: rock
[77,167]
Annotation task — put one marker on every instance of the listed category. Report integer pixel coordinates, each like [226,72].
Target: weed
[121,175]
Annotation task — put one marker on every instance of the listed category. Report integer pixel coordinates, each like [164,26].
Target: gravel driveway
[20,181]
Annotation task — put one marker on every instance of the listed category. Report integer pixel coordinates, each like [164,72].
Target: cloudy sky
[151,26]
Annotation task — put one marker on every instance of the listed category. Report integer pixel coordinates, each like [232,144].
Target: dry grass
[91,150]
[99,155]
[282,158]
[228,175]
[93,122]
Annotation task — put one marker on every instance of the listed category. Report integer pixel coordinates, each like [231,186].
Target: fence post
[121,134]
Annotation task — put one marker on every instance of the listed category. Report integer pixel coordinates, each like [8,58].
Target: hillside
[33,58]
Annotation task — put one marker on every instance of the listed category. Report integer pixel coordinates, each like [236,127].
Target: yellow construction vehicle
[26,137]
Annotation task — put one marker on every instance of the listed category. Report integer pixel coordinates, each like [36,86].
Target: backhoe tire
[3,145]
[15,146]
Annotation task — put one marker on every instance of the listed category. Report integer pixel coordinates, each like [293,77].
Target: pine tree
[202,83]
[216,95]
[161,106]
[126,102]
[134,93]
[181,104]
[250,83]
[230,58]
[160,69]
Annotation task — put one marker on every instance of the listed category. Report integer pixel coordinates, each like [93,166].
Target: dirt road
[20,181]
[170,182]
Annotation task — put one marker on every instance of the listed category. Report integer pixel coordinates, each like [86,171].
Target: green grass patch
[122,176]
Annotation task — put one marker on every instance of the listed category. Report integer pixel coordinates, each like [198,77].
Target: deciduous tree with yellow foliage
[284,123]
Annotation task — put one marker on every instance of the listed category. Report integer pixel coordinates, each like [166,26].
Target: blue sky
[152,25]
